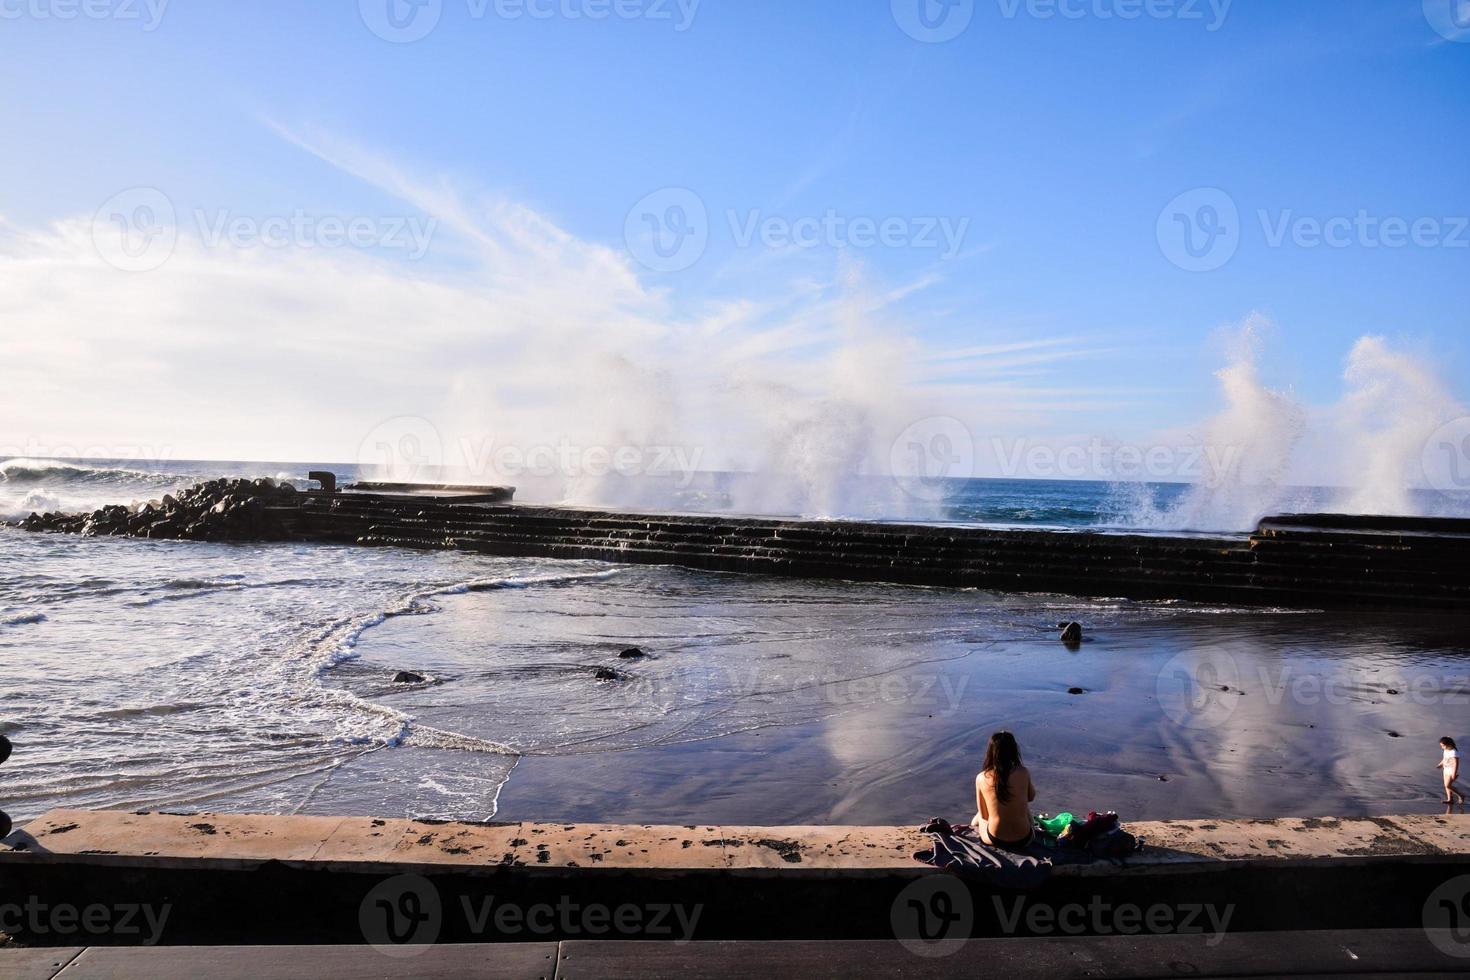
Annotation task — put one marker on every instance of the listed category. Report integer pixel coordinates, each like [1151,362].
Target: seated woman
[1002,791]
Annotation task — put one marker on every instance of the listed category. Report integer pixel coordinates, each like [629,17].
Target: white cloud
[511,330]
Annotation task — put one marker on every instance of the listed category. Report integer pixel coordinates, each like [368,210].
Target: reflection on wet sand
[790,702]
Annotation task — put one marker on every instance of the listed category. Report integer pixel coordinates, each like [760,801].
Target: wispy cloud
[511,329]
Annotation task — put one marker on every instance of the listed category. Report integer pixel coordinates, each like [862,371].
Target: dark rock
[632,653]
[216,510]
[1072,633]
[1076,690]
[407,677]
[607,674]
[5,750]
[166,530]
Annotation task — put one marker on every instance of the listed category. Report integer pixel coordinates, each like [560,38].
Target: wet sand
[789,702]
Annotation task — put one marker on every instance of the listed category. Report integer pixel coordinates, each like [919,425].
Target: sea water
[192,676]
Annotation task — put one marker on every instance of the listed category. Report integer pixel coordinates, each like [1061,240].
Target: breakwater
[1318,561]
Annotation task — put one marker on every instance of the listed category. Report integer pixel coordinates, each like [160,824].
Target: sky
[770,233]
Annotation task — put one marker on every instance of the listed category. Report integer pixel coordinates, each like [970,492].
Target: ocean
[260,678]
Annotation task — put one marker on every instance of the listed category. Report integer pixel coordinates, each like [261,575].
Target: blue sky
[1054,142]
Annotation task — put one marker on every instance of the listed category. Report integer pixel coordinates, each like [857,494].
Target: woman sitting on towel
[1002,791]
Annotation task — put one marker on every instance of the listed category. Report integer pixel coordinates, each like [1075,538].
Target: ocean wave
[176,590]
[150,711]
[338,644]
[33,485]
[525,581]
[437,738]
[25,469]
[22,619]
[217,582]
[422,603]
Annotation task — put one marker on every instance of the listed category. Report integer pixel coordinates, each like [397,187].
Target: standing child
[1451,766]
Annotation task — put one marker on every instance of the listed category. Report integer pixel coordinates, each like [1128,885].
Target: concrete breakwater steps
[1303,561]
[1329,561]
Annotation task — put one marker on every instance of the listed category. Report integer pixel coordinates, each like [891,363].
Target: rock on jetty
[219,510]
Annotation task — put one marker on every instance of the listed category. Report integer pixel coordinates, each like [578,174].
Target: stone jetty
[1329,561]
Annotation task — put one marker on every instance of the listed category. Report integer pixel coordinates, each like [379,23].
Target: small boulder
[606,674]
[407,677]
[632,653]
[1072,634]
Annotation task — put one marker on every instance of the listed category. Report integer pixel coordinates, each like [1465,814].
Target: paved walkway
[1374,953]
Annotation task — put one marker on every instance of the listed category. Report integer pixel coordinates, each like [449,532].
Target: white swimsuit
[1451,761]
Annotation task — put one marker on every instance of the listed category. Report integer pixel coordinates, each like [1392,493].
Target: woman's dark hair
[1447,742]
[1002,757]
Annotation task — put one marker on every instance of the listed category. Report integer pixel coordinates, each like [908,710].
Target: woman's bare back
[1009,820]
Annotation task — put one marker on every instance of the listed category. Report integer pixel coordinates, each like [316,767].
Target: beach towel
[958,850]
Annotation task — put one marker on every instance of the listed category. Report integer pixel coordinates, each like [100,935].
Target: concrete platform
[1370,953]
[233,879]
[238,841]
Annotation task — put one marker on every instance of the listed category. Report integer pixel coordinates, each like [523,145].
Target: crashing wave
[25,469]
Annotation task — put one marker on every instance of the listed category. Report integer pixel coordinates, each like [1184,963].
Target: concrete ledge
[227,878]
[240,841]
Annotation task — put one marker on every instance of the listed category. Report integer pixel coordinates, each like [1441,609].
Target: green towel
[1053,826]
